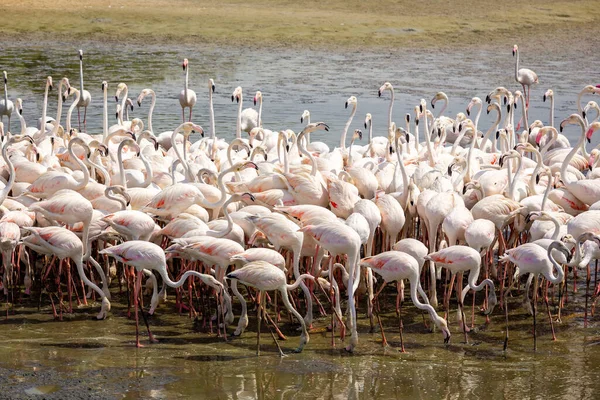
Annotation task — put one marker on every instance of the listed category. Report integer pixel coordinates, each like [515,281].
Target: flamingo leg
[190,115]
[548,309]
[384,342]
[587,293]
[85,119]
[135,302]
[258,316]
[267,319]
[534,308]
[399,313]
[79,117]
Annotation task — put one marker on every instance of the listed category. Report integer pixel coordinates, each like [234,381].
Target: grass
[310,23]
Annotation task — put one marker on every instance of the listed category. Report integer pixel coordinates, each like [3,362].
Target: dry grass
[308,23]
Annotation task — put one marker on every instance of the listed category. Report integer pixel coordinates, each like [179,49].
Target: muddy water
[83,358]
[292,81]
[80,357]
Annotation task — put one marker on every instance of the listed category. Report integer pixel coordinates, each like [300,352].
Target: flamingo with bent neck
[148,256]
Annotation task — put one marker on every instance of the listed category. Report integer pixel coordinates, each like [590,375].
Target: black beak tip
[561,128]
[232,98]
[583,114]
[116,99]
[589,140]
[468,112]
[487,99]
[346,105]
[254,101]
[139,103]
[421,107]
[365,125]
[544,98]
[407,137]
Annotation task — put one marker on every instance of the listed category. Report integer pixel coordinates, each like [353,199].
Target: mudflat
[331,24]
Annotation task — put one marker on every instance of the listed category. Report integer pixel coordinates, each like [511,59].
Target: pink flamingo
[534,259]
[265,276]
[148,256]
[459,259]
[65,244]
[394,266]
[524,76]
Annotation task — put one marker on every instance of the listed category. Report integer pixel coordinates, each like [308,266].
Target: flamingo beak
[468,112]
[346,105]
[116,99]
[379,93]
[213,88]
[254,100]
[301,120]
[545,99]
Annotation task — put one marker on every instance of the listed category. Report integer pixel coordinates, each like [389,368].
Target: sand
[383,24]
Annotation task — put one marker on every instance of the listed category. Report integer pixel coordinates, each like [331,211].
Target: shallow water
[292,81]
[81,357]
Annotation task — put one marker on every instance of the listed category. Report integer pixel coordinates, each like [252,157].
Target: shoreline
[328,25]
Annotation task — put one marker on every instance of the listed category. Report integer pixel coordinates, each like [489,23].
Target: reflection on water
[291,81]
[99,357]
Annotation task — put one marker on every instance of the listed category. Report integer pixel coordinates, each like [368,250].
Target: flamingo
[524,76]
[6,106]
[187,97]
[265,276]
[86,98]
[395,266]
[534,259]
[147,256]
[459,259]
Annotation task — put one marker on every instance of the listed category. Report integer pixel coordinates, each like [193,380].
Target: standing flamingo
[265,276]
[148,256]
[6,106]
[187,97]
[86,98]
[395,266]
[534,259]
[524,76]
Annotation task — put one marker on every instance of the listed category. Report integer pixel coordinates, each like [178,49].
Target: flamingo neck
[238,128]
[152,104]
[148,166]
[105,115]
[299,281]
[404,197]
[120,161]
[44,109]
[390,111]
[211,114]
[11,174]
[559,271]
[70,110]
[302,148]
[547,192]
[552,111]
[343,138]
[538,158]
[574,150]
[428,139]
[517,66]
[123,105]
[58,108]
[511,189]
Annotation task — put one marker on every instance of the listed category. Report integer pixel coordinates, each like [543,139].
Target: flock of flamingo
[129,203]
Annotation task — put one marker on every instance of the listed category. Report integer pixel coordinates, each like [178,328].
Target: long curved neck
[162,270]
[81,74]
[44,109]
[579,96]
[553,137]
[547,192]
[477,120]
[559,271]
[58,108]
[428,139]
[404,197]
[86,173]
[234,142]
[552,111]
[517,66]
[11,174]
[109,195]
[534,174]
[343,138]
[515,179]
[390,112]
[212,115]
[6,92]
[99,167]
[123,104]
[148,166]
[260,112]
[181,157]
[238,128]
[303,150]
[414,284]
[221,185]
[70,111]
[105,114]
[468,176]
[120,161]
[556,228]
[299,281]
[565,164]
[490,131]
[152,104]
[185,86]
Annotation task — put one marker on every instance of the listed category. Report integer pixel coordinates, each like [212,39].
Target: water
[292,81]
[81,357]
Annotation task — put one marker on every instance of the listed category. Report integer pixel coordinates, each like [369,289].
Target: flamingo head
[243,165]
[80,55]
[351,102]
[19,106]
[49,82]
[211,85]
[474,101]
[357,135]
[237,94]
[515,50]
[104,85]
[5,77]
[594,126]
[422,106]
[185,64]
[438,96]
[593,156]
[549,94]
[257,96]
[385,86]
[120,88]
[568,239]
[443,326]
[305,115]
[541,134]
